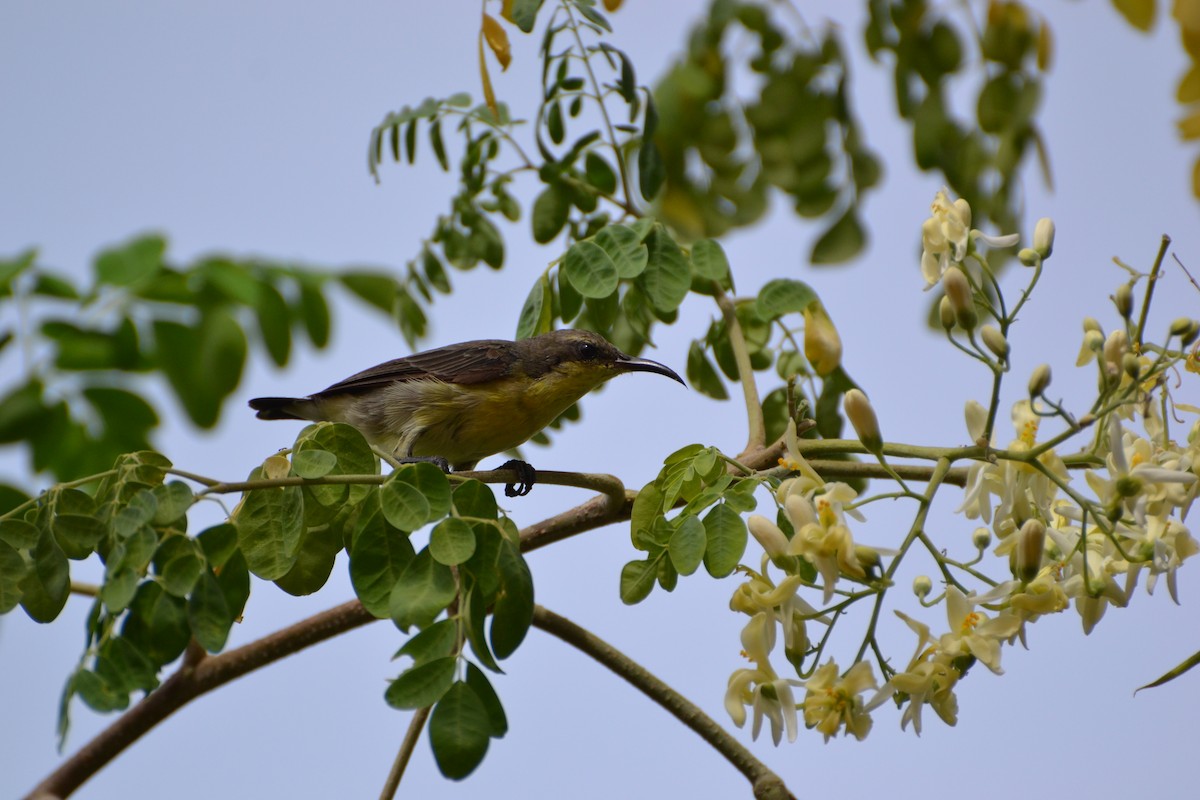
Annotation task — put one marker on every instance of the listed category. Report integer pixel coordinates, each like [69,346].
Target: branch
[767,785]
[415,726]
[757,436]
[197,675]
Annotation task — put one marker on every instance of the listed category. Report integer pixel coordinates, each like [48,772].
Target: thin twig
[757,434]
[415,726]
[767,785]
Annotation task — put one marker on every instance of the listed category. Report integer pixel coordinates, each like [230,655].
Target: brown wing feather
[465,364]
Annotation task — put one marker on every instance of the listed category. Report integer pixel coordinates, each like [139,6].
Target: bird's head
[579,361]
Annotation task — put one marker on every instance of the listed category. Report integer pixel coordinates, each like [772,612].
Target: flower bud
[1114,349]
[768,535]
[1043,237]
[1123,300]
[862,417]
[958,291]
[946,313]
[1031,542]
[1191,334]
[1090,324]
[822,345]
[995,341]
[1131,365]
[981,538]
[922,586]
[1182,327]
[868,558]
[964,212]
[1029,257]
[1039,380]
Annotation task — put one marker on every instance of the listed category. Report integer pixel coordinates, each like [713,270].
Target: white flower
[832,703]
[944,236]
[973,633]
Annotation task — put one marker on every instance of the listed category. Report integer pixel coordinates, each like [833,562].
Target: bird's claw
[526,477]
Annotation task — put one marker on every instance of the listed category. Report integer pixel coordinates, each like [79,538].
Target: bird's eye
[587,350]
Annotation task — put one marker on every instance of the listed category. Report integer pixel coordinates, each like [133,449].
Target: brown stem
[197,675]
[767,785]
[415,726]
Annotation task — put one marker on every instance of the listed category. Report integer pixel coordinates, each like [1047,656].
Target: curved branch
[197,675]
[767,785]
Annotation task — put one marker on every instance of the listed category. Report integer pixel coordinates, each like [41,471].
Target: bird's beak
[631,364]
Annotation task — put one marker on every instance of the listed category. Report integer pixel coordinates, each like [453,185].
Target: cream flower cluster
[947,237]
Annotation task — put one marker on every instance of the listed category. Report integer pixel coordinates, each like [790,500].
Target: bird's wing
[466,363]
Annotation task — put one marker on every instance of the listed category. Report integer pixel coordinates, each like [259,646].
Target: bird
[458,404]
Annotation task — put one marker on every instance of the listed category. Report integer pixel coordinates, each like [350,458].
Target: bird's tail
[283,407]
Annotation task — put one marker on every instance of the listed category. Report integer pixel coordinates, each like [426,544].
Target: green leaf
[270,524]
[433,484]
[314,312]
[13,569]
[1174,673]
[313,463]
[424,589]
[452,541]
[784,296]
[637,580]
[274,323]
[474,498]
[524,14]
[709,261]
[478,681]
[599,174]
[179,563]
[403,504]
[45,588]
[841,242]
[570,302]
[473,610]
[132,263]
[590,270]
[379,554]
[315,556]
[157,623]
[436,641]
[726,534]
[354,457]
[208,613]
[422,685]
[459,730]
[512,613]
[687,545]
[624,246]
[374,288]
[536,314]
[667,277]
[702,375]
[549,213]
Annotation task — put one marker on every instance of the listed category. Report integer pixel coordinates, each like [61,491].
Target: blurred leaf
[13,570]
[45,587]
[549,213]
[208,613]
[841,242]
[131,263]
[157,623]
[1138,13]
[274,324]
[1183,667]
[374,288]
[709,261]
[436,641]
[535,315]
[479,683]
[784,296]
[702,376]
[599,174]
[523,13]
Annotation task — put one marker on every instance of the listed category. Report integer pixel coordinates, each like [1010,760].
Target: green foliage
[979,158]
[81,405]
[693,479]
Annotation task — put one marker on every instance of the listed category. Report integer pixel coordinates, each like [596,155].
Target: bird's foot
[437,461]
[526,477]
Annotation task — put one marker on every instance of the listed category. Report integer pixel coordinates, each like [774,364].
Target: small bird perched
[457,404]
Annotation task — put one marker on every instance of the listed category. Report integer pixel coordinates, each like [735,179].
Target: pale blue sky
[242,128]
